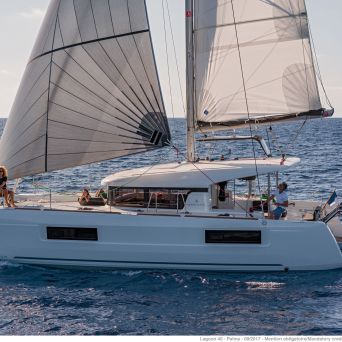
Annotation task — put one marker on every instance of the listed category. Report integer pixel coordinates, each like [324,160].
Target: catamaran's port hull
[163,242]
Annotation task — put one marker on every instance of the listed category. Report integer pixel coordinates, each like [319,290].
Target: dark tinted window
[233,236]
[149,198]
[71,233]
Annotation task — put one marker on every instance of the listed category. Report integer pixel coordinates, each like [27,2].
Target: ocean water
[47,301]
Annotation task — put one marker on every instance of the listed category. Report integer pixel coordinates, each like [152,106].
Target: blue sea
[47,301]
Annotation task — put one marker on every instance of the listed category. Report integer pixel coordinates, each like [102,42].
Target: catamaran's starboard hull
[162,242]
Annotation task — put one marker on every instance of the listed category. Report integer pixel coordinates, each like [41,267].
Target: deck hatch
[72,233]
[233,236]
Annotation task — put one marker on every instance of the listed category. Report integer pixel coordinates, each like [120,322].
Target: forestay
[254,63]
[90,91]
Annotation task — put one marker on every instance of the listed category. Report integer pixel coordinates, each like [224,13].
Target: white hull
[165,242]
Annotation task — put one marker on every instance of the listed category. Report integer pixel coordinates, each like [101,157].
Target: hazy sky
[20,21]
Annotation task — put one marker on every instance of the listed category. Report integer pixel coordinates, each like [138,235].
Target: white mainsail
[253,63]
[90,91]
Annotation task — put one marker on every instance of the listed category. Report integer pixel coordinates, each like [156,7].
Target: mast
[190,114]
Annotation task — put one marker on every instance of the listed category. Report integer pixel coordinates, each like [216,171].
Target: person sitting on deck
[101,193]
[281,201]
[6,193]
[85,197]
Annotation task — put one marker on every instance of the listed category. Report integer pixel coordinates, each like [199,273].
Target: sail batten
[91,80]
[253,60]
[87,42]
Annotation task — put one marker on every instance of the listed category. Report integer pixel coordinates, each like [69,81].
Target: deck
[298,210]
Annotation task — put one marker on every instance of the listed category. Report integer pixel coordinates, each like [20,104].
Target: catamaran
[91,92]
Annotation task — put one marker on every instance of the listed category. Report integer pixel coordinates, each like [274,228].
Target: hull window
[233,236]
[71,233]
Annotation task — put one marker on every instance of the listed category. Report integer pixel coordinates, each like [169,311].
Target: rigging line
[309,51]
[306,77]
[304,50]
[194,164]
[246,98]
[292,141]
[211,180]
[275,141]
[176,59]
[315,60]
[291,144]
[167,59]
[148,169]
[155,123]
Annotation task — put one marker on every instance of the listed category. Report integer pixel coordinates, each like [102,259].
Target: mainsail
[253,63]
[90,91]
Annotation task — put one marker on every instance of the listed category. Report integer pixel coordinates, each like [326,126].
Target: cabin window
[167,199]
[71,233]
[233,236]
[128,197]
[150,197]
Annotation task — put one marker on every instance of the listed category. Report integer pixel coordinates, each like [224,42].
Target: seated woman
[85,197]
[101,193]
[6,193]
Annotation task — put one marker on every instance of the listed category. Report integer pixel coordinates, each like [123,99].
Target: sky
[20,21]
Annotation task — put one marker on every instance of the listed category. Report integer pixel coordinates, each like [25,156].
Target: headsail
[254,63]
[90,91]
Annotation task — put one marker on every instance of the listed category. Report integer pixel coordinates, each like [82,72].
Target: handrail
[335,212]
